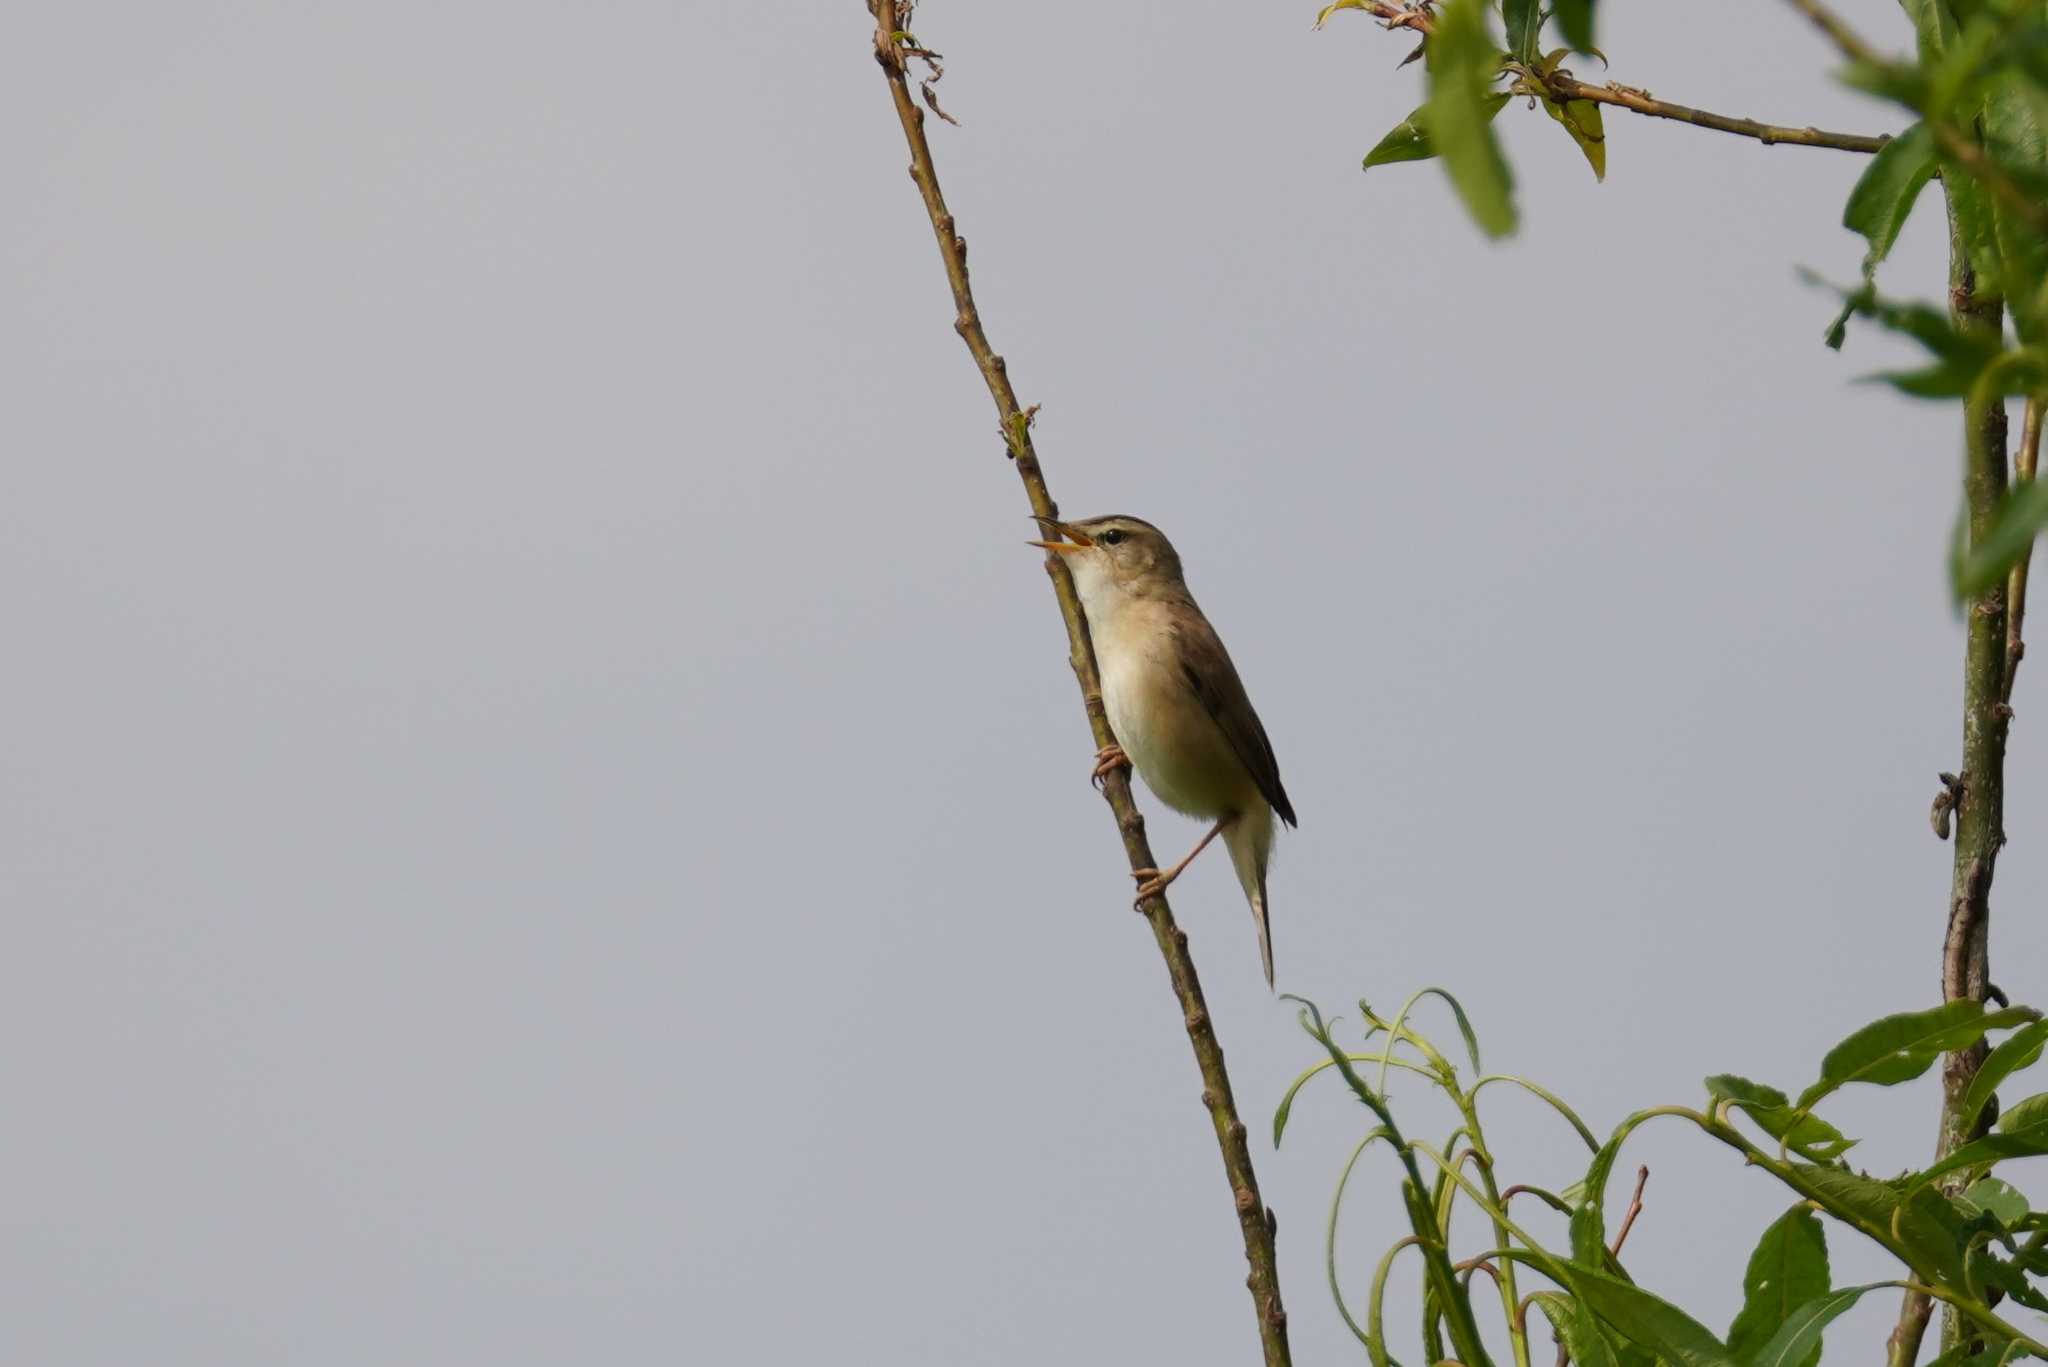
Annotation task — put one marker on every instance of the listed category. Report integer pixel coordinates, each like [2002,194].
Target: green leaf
[2015,115]
[1589,1221]
[1807,1135]
[1927,1225]
[1900,1048]
[1406,141]
[1524,21]
[1581,119]
[1647,1319]
[1463,62]
[2026,1142]
[1409,139]
[1788,1269]
[2025,1114]
[1963,355]
[2021,1049]
[1576,1326]
[2021,515]
[2005,1202]
[1575,22]
[1934,23]
[1975,220]
[1798,1340]
[1988,1269]
[1886,191]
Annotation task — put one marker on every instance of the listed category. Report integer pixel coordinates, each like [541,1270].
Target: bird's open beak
[1077,540]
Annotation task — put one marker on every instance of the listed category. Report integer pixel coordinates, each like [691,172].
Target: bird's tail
[1250,840]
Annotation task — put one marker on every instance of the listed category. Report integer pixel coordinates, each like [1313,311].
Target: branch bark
[1980,805]
[1563,87]
[1256,1220]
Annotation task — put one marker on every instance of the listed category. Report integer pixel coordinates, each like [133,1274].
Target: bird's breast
[1173,742]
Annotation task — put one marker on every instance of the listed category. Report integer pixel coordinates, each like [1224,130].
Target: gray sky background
[546,814]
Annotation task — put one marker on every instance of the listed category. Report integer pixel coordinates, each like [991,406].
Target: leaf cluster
[1957,1230]
[1974,91]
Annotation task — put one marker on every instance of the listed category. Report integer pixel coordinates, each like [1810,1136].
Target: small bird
[1174,700]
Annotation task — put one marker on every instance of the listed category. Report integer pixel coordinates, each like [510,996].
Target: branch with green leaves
[1473,73]
[1969,1249]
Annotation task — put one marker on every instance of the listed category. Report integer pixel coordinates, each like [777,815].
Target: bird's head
[1116,556]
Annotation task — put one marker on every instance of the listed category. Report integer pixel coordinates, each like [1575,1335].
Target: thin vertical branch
[1980,790]
[1255,1220]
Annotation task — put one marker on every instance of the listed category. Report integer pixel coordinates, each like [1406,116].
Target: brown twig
[1635,1208]
[1255,1220]
[1562,87]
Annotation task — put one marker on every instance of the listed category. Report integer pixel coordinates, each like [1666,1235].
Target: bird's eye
[1112,538]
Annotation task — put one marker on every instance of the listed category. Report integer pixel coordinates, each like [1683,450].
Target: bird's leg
[1108,760]
[1151,882]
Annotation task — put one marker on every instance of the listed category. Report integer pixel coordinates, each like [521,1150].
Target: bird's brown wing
[1212,676]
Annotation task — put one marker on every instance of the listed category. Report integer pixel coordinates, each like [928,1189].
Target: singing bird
[1174,700]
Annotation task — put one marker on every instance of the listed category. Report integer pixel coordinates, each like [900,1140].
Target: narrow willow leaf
[1524,20]
[1975,220]
[1589,1221]
[1462,64]
[1962,356]
[1581,119]
[1927,1225]
[1806,1135]
[2025,1114]
[2028,1141]
[1788,1269]
[1900,1048]
[2015,116]
[1409,140]
[1934,23]
[1798,1340]
[1988,1269]
[1323,17]
[1885,193]
[1286,1107]
[2002,1200]
[1578,1329]
[1647,1319]
[2020,1049]
[1973,1352]
[1575,22]
[2020,518]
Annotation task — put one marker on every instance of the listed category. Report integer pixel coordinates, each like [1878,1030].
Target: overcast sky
[545,812]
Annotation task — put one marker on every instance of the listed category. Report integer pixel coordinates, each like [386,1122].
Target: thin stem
[1635,1208]
[1504,1280]
[1980,809]
[1256,1222]
[1562,87]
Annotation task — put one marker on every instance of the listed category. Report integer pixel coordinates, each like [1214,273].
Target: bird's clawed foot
[1108,760]
[1151,882]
